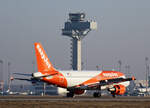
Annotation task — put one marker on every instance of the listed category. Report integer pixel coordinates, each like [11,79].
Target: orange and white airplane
[77,82]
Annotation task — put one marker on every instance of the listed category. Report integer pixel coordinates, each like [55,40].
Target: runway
[78,101]
[77,98]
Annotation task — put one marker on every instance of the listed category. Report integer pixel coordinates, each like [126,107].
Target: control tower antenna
[77,28]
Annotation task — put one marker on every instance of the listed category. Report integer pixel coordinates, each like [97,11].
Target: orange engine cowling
[119,89]
[79,92]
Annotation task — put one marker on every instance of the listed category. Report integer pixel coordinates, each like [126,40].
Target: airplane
[76,82]
[143,89]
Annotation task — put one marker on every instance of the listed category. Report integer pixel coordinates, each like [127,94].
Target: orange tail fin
[43,63]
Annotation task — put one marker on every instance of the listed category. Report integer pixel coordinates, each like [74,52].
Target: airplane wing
[103,83]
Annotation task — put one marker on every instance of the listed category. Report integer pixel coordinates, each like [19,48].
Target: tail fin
[43,63]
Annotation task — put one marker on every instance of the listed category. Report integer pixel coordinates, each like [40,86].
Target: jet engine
[118,89]
[61,91]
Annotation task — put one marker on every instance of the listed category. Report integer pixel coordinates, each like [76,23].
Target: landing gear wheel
[97,94]
[113,95]
[70,94]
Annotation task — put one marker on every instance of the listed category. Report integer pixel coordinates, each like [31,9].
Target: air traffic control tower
[77,28]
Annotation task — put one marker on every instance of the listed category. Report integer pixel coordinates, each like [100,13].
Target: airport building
[77,27]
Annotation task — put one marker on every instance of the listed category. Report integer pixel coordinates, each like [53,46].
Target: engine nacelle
[62,91]
[79,92]
[118,89]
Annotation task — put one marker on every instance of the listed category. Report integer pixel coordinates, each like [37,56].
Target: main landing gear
[70,94]
[113,95]
[97,94]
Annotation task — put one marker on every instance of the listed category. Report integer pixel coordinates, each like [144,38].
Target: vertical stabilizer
[43,63]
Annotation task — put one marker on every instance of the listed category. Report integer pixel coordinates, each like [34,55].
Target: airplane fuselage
[71,78]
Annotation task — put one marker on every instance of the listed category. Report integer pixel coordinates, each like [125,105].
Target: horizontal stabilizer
[22,74]
[22,79]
